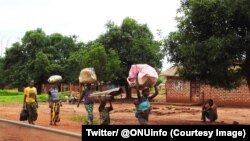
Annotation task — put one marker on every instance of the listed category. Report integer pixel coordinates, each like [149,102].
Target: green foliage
[39,55]
[160,80]
[134,44]
[63,94]
[2,78]
[105,62]
[15,73]
[42,98]
[212,42]
[110,63]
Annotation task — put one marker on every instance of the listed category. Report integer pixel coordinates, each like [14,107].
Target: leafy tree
[15,67]
[41,65]
[59,52]
[105,63]
[2,78]
[134,44]
[212,42]
[37,57]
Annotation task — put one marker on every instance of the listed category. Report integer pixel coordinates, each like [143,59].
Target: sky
[83,18]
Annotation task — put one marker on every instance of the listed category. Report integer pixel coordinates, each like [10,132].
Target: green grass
[17,97]
[10,97]
[83,119]
[7,96]
[42,98]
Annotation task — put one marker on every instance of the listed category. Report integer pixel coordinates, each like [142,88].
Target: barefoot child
[104,111]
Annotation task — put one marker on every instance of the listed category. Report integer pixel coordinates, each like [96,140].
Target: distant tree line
[38,55]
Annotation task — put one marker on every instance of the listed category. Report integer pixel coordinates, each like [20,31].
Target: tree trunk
[248,67]
[128,91]
[59,87]
[20,89]
[2,86]
[39,88]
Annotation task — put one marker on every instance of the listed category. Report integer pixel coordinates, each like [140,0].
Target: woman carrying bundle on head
[87,76]
[143,106]
[54,100]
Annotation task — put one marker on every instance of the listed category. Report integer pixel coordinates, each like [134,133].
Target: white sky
[84,18]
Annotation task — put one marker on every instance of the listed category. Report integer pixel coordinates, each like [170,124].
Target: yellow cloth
[31,94]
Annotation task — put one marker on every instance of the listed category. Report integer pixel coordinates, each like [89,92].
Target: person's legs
[51,111]
[212,116]
[106,119]
[203,115]
[51,115]
[89,109]
[32,110]
[105,122]
[57,112]
[142,121]
[143,118]
[28,107]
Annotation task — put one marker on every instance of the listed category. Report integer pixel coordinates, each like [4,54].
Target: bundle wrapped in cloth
[55,79]
[87,75]
[106,94]
[147,75]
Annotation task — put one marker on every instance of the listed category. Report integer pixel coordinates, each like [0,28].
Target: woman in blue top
[54,104]
[143,103]
[88,103]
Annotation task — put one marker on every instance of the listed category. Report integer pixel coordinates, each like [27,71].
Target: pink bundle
[147,76]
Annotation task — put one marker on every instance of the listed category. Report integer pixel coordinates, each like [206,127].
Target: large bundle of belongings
[147,75]
[55,79]
[87,75]
[108,94]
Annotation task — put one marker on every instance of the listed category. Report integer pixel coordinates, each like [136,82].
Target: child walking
[104,111]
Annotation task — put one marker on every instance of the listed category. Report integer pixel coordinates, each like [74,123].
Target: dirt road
[162,113]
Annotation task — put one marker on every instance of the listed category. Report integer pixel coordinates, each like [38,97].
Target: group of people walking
[30,103]
[142,105]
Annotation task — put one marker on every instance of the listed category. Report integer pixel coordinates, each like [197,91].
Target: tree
[212,43]
[2,78]
[15,67]
[37,57]
[58,53]
[42,66]
[33,44]
[134,44]
[105,62]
